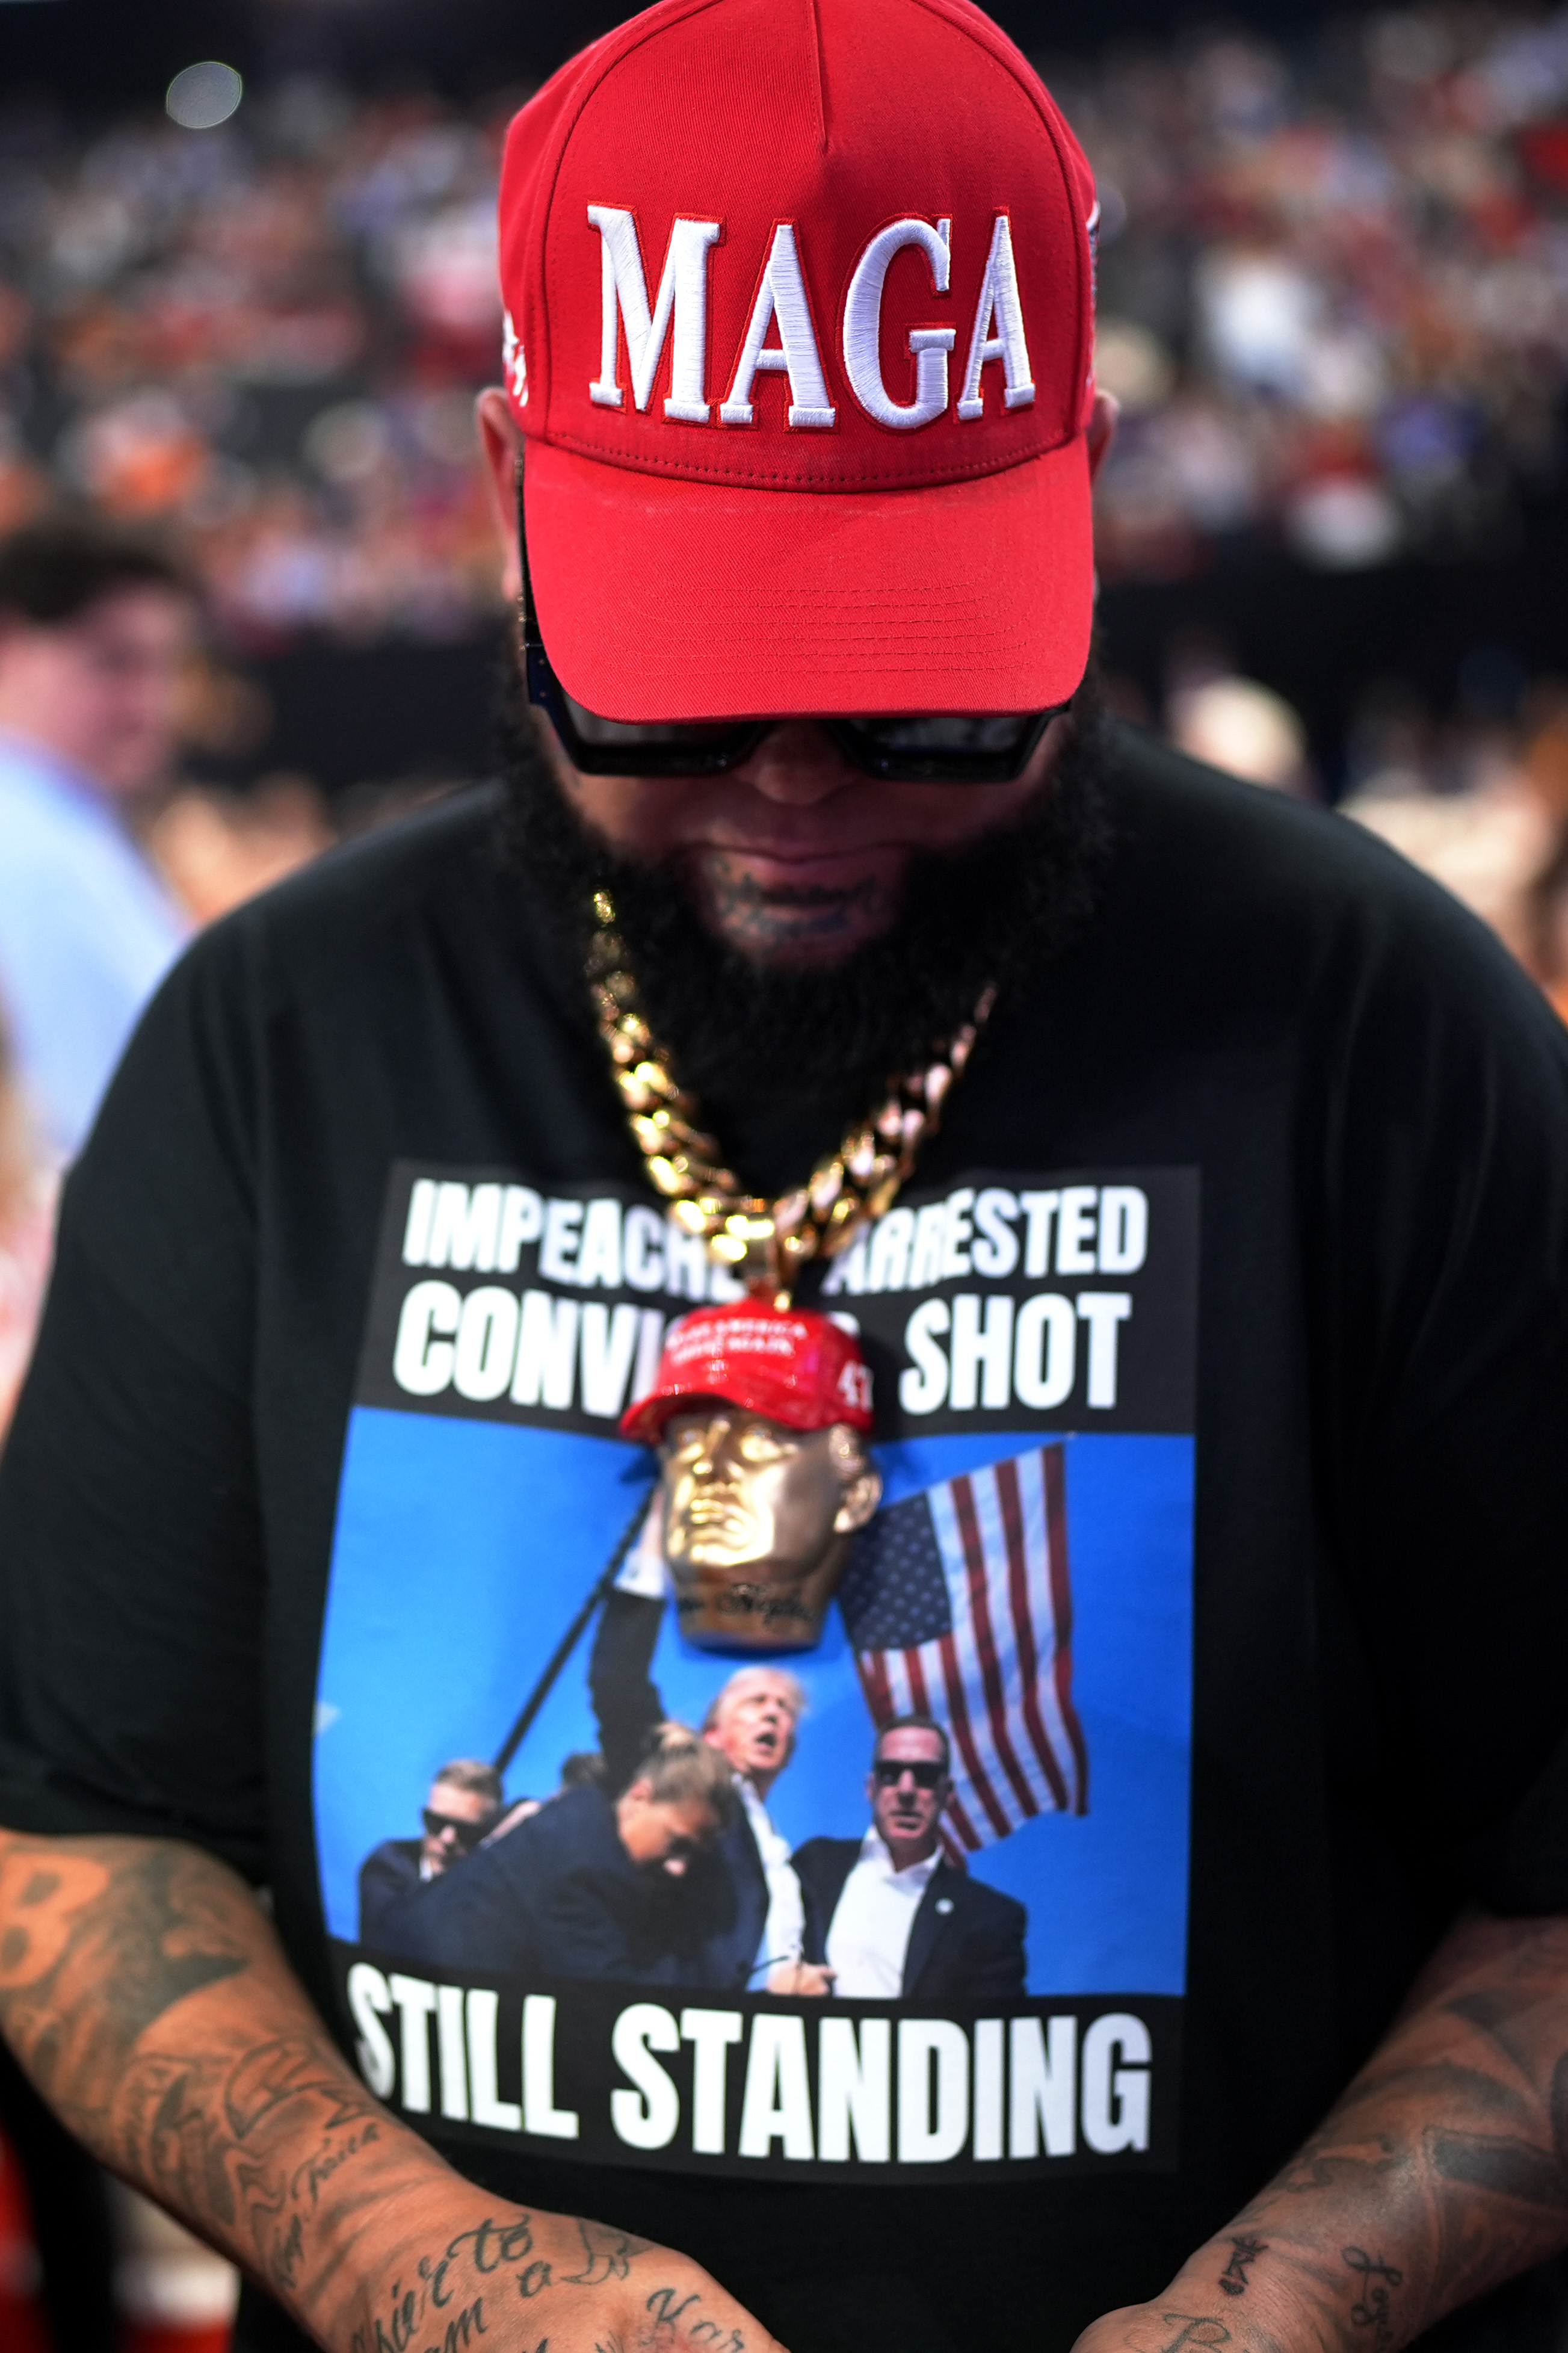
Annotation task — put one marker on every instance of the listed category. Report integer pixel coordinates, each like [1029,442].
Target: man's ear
[500,445]
[860,1499]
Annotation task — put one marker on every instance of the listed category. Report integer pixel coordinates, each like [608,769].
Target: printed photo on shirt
[912,1899]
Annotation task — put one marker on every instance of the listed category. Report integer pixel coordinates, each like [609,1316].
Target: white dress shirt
[783,1932]
[870,1934]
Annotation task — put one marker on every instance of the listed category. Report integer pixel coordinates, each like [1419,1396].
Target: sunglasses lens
[701,738]
[926,1777]
[467,1834]
[953,734]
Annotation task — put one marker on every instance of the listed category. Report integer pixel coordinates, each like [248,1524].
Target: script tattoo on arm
[1441,2172]
[1245,2251]
[143,1988]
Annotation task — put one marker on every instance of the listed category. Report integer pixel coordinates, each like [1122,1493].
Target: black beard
[996,912]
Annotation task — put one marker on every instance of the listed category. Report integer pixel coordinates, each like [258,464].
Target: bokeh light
[203,96]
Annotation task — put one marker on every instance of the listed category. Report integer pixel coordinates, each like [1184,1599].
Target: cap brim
[659,598]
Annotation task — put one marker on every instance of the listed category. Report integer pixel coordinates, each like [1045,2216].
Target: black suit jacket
[966,1944]
[388,1873]
[728,1881]
[559,1898]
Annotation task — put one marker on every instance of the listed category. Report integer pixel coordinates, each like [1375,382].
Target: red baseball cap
[799,304]
[789,1364]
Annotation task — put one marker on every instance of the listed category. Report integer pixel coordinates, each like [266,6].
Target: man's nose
[797,764]
[708,1459]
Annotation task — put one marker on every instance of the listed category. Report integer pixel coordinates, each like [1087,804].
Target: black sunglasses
[890,1770]
[467,1834]
[941,748]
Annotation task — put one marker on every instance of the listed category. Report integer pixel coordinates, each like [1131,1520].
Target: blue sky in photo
[463,1549]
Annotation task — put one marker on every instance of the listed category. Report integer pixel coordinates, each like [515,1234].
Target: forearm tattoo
[1244,2251]
[143,1990]
[1444,2168]
[479,2277]
[101,1941]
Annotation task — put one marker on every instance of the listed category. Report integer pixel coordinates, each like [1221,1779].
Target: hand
[517,2277]
[801,1978]
[1183,2320]
[1152,2328]
[523,1811]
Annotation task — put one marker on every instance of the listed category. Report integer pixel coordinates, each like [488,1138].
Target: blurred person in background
[65,2191]
[95,628]
[27,1205]
[96,631]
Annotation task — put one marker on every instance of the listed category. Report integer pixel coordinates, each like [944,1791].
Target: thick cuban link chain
[765,1243]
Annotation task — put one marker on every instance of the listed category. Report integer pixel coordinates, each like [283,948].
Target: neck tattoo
[766,1243]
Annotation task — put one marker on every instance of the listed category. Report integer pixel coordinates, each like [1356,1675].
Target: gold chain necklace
[765,1242]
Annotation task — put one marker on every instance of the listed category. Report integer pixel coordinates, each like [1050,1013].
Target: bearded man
[824,884]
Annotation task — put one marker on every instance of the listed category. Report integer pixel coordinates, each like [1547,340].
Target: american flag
[958,1606]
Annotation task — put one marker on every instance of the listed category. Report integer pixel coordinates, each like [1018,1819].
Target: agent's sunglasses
[890,1770]
[467,1834]
[941,748]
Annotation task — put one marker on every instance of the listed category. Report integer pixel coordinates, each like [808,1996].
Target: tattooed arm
[1441,2172]
[144,1991]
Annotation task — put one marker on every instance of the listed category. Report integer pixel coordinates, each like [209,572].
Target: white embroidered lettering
[514,363]
[862,329]
[682,299]
[782,296]
[998,332]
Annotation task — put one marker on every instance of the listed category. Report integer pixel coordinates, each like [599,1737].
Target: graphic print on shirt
[960,1954]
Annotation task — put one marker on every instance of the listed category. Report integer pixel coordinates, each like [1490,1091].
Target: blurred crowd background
[1333,305]
[245,307]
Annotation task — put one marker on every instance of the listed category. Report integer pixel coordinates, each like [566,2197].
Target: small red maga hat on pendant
[791,1364]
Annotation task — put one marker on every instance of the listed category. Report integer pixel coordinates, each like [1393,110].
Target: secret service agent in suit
[590,1886]
[465,1798]
[745,1883]
[887,1916]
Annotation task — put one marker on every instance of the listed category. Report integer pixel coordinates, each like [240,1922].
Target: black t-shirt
[1220,1348]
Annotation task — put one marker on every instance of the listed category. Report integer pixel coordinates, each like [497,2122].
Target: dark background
[120,51]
